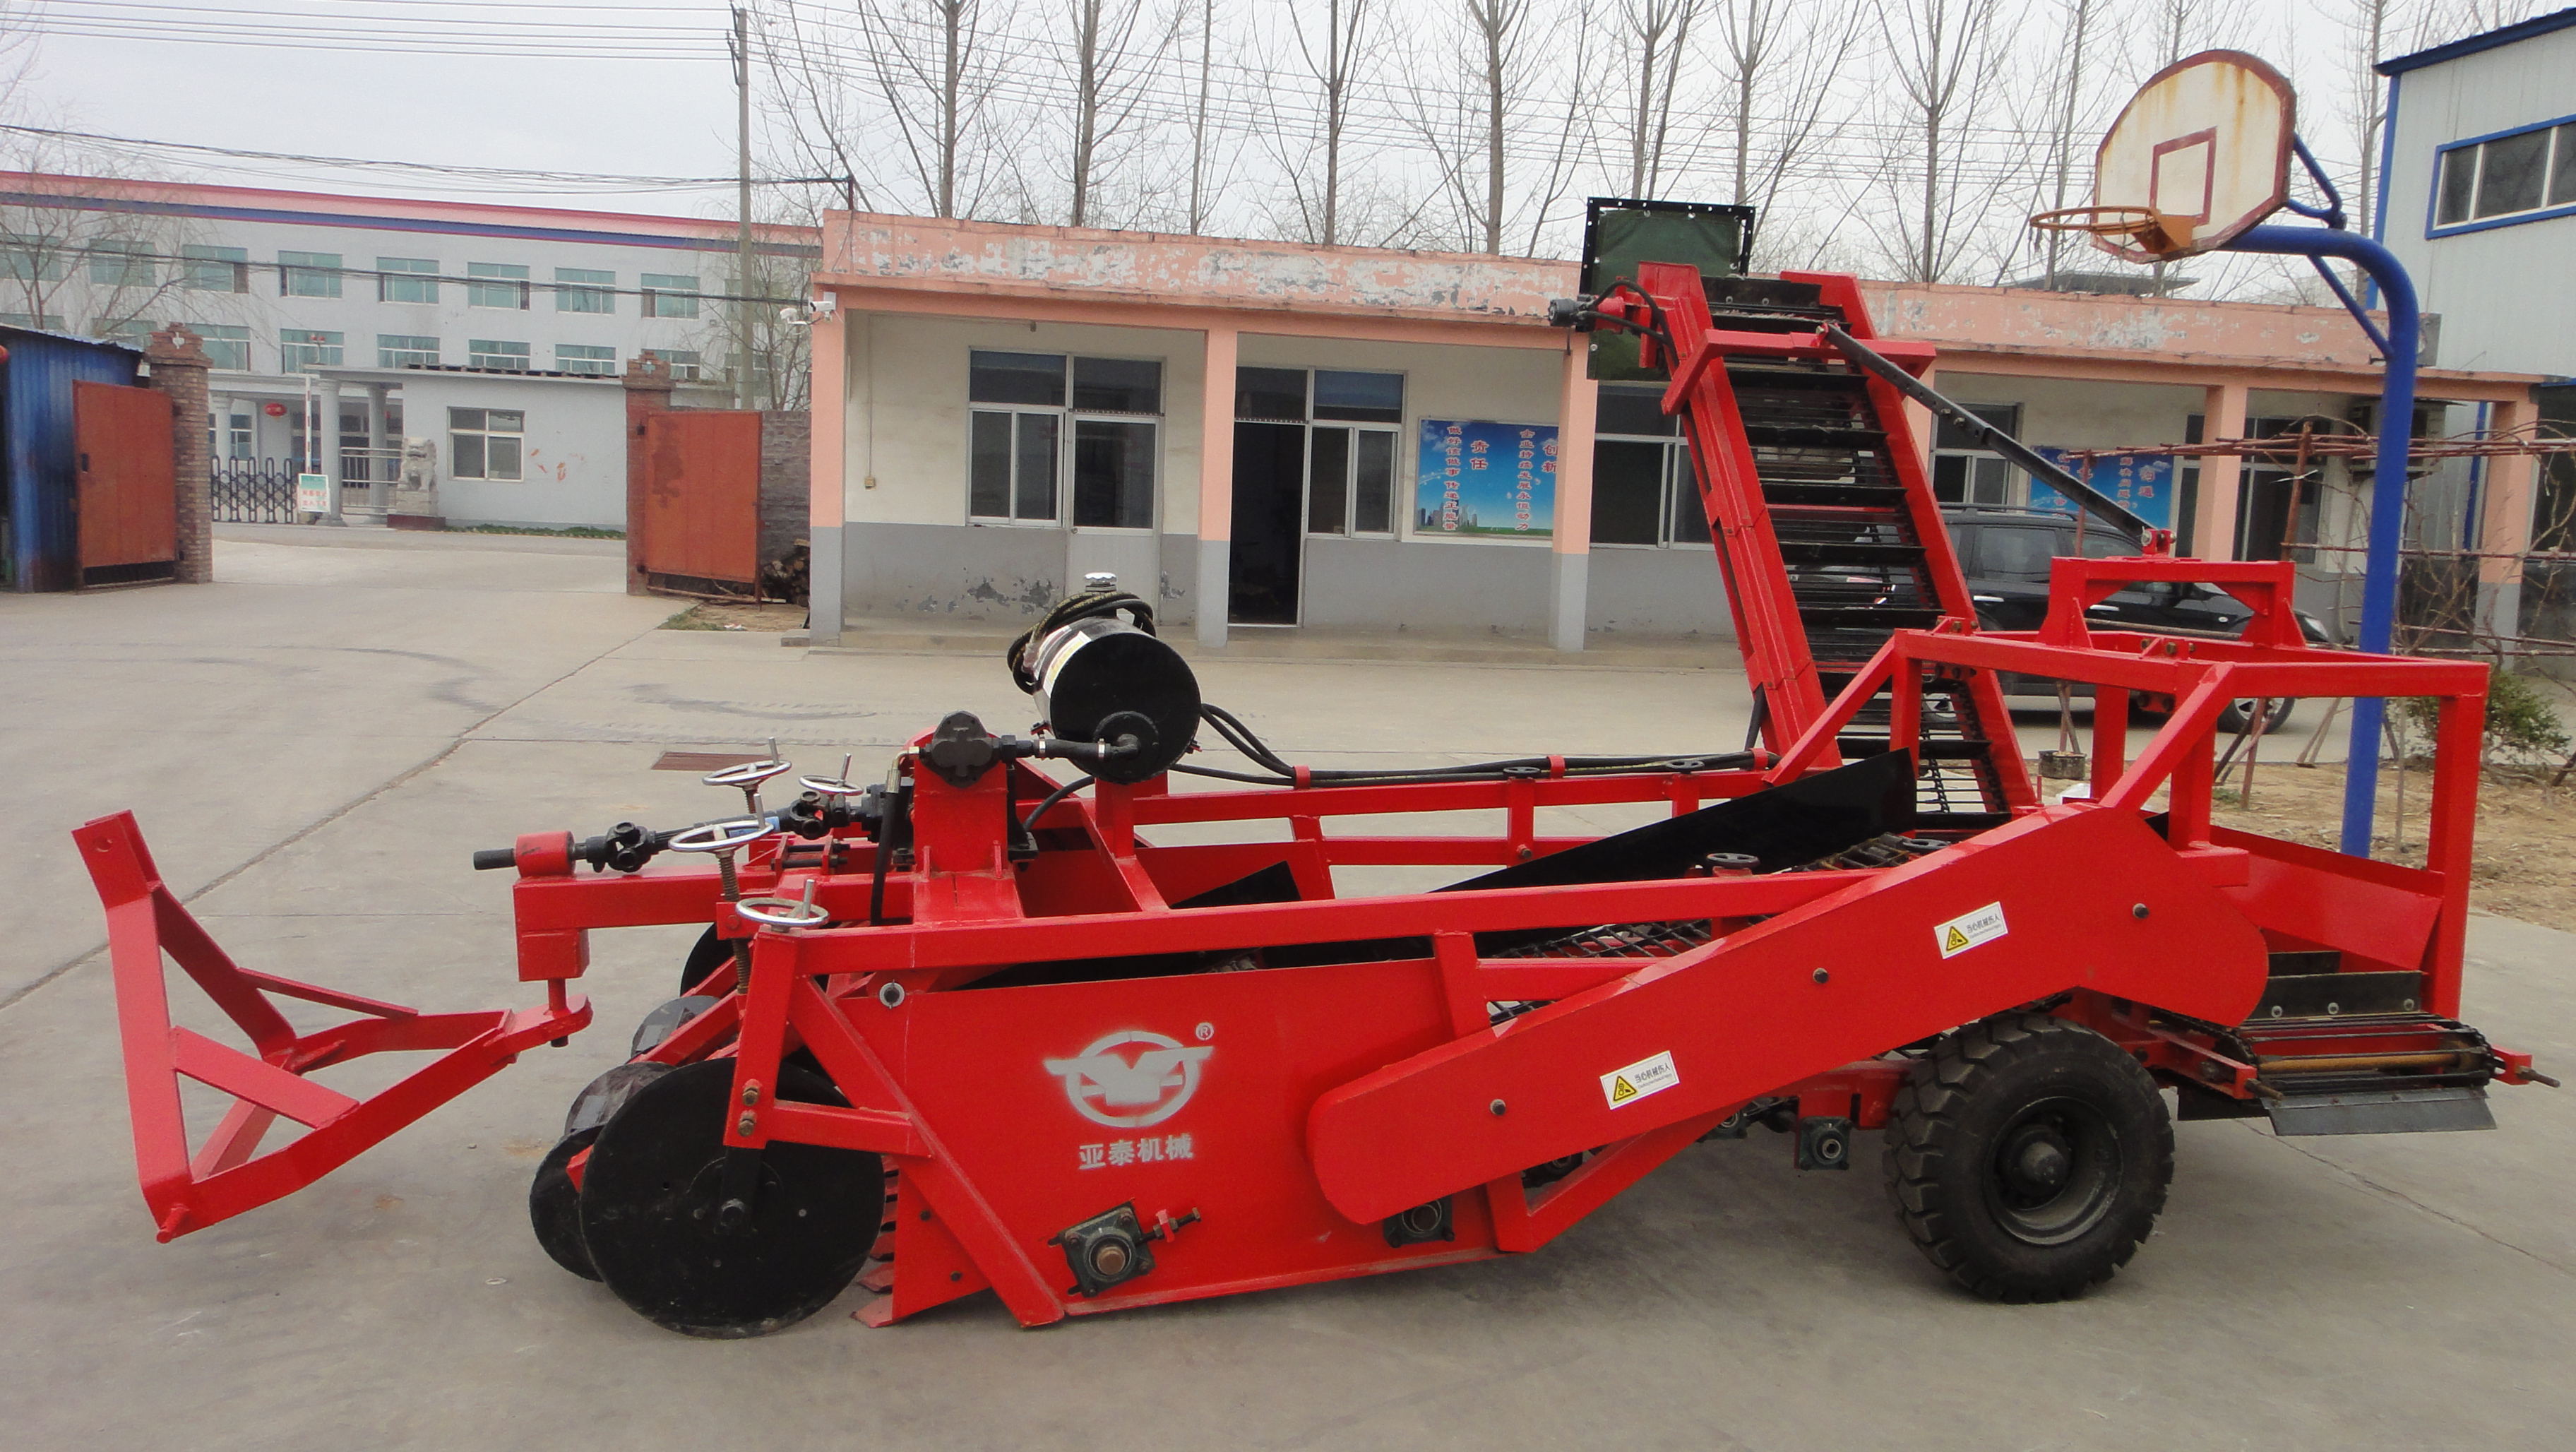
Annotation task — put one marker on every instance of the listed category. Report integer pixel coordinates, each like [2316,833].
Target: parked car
[2005,555]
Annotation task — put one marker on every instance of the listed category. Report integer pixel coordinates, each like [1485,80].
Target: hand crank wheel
[651,1191]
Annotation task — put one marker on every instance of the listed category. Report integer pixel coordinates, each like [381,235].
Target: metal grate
[252,491]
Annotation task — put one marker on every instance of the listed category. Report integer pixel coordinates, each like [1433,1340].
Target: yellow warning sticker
[1970,929]
[1636,1081]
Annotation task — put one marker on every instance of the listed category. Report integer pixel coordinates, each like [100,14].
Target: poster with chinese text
[1478,477]
[2144,485]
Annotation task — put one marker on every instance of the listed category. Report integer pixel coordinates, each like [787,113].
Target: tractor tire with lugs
[2028,1156]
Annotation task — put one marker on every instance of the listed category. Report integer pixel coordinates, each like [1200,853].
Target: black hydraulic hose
[1030,823]
[1085,606]
[1246,741]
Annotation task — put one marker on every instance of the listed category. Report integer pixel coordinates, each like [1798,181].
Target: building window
[49,322]
[302,350]
[1026,404]
[1963,473]
[489,353]
[585,358]
[496,285]
[2516,176]
[406,350]
[308,274]
[1350,466]
[686,365]
[31,259]
[406,280]
[227,346]
[670,295]
[214,269]
[485,443]
[123,330]
[114,263]
[1644,491]
[585,290]
[237,436]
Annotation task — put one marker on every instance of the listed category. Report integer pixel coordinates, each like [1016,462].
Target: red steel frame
[1295,1109]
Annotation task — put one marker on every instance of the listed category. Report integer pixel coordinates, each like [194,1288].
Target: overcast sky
[659,116]
[651,117]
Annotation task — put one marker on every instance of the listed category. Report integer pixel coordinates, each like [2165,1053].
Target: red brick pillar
[648,392]
[179,371]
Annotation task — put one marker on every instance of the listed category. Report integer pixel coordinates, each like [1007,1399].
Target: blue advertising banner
[2145,485]
[1478,477]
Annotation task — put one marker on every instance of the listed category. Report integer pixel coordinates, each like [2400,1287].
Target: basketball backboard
[2199,154]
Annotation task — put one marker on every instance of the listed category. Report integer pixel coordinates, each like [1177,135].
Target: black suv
[2005,555]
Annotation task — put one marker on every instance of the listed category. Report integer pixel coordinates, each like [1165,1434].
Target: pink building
[1001,409]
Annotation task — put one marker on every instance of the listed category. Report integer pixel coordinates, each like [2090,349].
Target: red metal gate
[129,496]
[701,508]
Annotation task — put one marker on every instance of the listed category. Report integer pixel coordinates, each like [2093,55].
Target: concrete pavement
[315,743]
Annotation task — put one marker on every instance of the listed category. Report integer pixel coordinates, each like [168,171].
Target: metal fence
[253,491]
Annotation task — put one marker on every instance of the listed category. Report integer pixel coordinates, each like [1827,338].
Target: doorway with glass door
[1314,460]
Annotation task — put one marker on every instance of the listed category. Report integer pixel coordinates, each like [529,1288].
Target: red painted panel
[702,495]
[129,497]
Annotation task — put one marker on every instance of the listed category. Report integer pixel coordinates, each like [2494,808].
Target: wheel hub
[2056,1171]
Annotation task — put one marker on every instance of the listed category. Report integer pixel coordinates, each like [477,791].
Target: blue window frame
[2526,174]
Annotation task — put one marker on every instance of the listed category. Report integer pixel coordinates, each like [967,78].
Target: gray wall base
[1215,567]
[825,586]
[1573,595]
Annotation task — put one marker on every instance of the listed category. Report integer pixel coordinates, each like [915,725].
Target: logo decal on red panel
[1131,1078]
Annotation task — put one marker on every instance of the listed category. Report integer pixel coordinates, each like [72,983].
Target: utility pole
[742,307]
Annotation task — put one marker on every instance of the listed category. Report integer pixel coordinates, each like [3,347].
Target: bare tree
[1201,188]
[1654,34]
[1110,56]
[1781,64]
[772,332]
[1334,60]
[2080,17]
[1941,74]
[809,104]
[927,59]
[69,263]
[1467,128]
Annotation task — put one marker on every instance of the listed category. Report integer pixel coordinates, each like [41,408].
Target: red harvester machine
[964,1028]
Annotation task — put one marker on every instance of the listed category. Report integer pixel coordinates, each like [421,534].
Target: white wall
[2502,292]
[907,402]
[574,470]
[907,410]
[360,318]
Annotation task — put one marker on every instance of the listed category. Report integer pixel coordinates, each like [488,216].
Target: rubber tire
[1942,1136]
[2233,718]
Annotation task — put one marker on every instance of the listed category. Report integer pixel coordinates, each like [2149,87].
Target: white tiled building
[304,297]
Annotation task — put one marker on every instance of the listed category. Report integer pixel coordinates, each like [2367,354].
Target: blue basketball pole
[2388,476]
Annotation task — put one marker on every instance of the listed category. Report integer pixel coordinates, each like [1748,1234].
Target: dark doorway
[1269,523]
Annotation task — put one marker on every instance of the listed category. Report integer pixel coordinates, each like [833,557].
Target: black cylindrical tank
[1102,678]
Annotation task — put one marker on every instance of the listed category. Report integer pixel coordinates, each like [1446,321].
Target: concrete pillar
[1925,426]
[2504,520]
[1578,403]
[322,432]
[1216,483]
[381,469]
[827,482]
[179,371]
[2213,527]
[648,392]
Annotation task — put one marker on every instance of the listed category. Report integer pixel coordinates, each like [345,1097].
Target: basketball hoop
[2199,154]
[2144,228]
